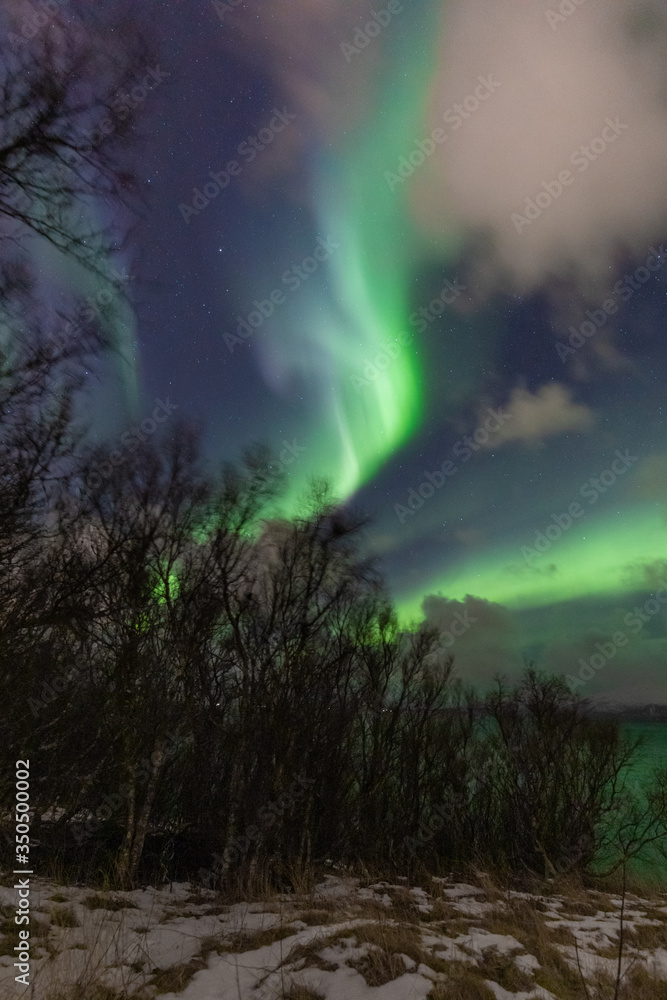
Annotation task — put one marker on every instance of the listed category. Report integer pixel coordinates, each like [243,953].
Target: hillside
[344,940]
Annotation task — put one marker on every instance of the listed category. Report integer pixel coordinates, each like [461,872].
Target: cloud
[558,86]
[488,616]
[480,635]
[470,536]
[650,481]
[641,576]
[501,641]
[549,411]
[634,676]
[297,45]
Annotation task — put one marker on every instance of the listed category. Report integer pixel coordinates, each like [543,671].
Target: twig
[621,933]
[581,974]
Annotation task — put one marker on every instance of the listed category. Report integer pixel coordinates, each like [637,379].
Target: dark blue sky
[495,346]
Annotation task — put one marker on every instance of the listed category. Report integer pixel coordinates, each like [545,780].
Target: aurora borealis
[375,364]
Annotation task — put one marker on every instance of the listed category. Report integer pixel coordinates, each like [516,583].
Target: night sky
[430,268]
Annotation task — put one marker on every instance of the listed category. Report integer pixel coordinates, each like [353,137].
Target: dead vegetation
[301,993]
[177,977]
[462,984]
[378,967]
[242,942]
[383,943]
[64,917]
[103,902]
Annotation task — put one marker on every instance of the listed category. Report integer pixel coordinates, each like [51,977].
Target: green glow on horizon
[600,559]
[357,427]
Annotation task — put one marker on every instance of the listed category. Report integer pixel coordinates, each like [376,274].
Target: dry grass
[9,931]
[101,955]
[641,985]
[524,922]
[603,900]
[369,909]
[635,885]
[562,935]
[462,984]
[316,918]
[388,942]
[393,939]
[541,906]
[387,934]
[461,926]
[378,967]
[177,977]
[178,914]
[403,905]
[443,909]
[308,955]
[65,917]
[259,886]
[502,969]
[101,902]
[301,993]
[197,898]
[650,936]
[215,911]
[578,909]
[97,992]
[239,943]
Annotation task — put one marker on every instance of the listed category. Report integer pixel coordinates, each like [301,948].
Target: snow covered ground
[343,941]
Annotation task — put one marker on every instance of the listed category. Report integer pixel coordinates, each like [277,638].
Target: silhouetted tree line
[205,689]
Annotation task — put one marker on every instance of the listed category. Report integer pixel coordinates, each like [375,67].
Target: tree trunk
[137,829]
[122,865]
[158,758]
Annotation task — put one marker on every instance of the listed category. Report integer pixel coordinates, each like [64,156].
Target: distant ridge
[628,713]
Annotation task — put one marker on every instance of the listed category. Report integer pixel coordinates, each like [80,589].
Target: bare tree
[62,128]
[138,558]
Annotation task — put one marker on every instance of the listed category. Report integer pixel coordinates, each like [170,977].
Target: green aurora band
[363,420]
[603,559]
